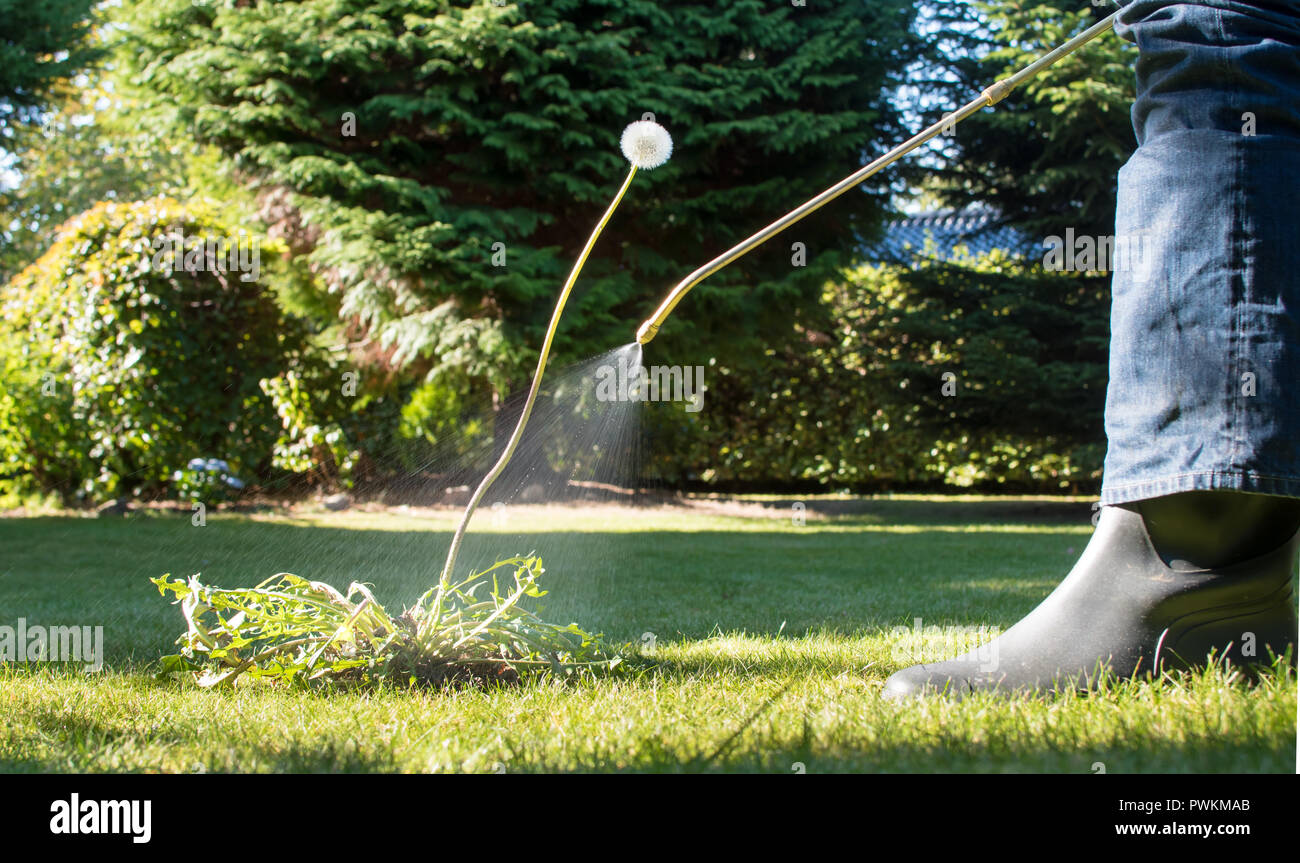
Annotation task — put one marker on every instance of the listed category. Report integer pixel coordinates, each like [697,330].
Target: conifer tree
[442,162]
[1047,157]
[40,44]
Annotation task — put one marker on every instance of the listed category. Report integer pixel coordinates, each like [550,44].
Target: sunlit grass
[766,646]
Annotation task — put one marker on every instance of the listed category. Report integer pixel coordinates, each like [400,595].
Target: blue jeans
[1204,389]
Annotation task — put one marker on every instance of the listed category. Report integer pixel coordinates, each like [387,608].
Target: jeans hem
[1283,486]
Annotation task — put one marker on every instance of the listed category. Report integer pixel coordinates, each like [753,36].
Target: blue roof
[976,229]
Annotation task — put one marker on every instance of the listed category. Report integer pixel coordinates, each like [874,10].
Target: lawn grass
[765,647]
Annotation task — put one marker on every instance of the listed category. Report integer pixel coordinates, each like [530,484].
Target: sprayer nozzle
[647,331]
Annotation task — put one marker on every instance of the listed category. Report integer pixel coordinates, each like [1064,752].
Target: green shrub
[308,444]
[123,363]
[859,401]
[39,448]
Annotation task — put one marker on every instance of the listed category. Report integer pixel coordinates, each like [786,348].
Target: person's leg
[1197,540]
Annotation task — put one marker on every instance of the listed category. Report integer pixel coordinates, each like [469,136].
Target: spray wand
[990,97]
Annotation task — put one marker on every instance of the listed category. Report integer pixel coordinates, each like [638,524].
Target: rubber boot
[1160,585]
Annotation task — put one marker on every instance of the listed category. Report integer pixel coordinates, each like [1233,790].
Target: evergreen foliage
[1047,157]
[477,124]
[41,43]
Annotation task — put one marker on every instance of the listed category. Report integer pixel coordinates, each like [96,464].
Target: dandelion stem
[509,452]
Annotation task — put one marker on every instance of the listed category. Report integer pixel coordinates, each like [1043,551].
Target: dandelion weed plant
[462,630]
[293,630]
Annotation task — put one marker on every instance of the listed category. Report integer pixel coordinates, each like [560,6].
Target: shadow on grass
[961,757]
[82,740]
[933,513]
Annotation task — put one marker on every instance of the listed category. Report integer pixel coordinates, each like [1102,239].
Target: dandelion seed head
[646,144]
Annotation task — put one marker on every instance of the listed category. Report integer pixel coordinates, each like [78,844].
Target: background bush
[143,369]
[858,401]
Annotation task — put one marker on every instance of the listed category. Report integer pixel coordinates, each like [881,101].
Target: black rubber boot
[1161,584]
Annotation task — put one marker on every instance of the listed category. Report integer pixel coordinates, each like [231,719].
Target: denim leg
[1204,389]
